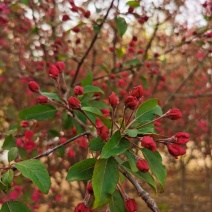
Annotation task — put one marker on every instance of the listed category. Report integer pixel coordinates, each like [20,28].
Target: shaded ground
[194,199]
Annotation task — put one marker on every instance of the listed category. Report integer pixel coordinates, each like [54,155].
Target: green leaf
[88,80]
[144,82]
[92,110]
[132,132]
[147,177]
[117,202]
[119,53]
[61,151]
[36,172]
[104,180]
[7,177]
[14,206]
[38,112]
[132,161]
[121,26]
[23,153]
[134,62]
[150,128]
[133,3]
[82,170]
[51,95]
[92,89]
[97,104]
[155,163]
[104,68]
[96,144]
[146,106]
[115,146]
[96,28]
[147,117]
[26,2]
[12,154]
[97,113]
[3,187]
[9,142]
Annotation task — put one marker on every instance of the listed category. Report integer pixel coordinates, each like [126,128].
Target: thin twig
[150,42]
[91,45]
[141,192]
[49,151]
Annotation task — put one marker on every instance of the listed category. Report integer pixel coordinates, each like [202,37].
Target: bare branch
[49,151]
[91,45]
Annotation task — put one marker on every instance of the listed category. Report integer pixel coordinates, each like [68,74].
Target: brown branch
[91,45]
[49,151]
[150,42]
[183,82]
[189,95]
[141,192]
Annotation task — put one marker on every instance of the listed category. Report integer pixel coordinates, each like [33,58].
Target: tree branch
[49,151]
[91,45]
[141,192]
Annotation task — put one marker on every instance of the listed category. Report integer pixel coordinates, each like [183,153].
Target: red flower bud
[142,165]
[71,153]
[174,114]
[137,92]
[113,100]
[87,14]
[130,9]
[89,188]
[53,71]
[65,17]
[181,138]
[76,29]
[33,86]
[82,208]
[134,38]
[60,65]
[103,132]
[148,143]
[42,99]
[131,205]
[131,102]
[74,103]
[78,90]
[24,123]
[175,150]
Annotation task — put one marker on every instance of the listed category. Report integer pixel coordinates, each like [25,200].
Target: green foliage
[133,62]
[6,181]
[51,95]
[14,206]
[146,106]
[133,4]
[92,89]
[12,154]
[115,146]
[117,202]
[155,163]
[88,79]
[121,25]
[97,113]
[104,180]
[146,177]
[38,112]
[96,144]
[82,170]
[9,142]
[36,172]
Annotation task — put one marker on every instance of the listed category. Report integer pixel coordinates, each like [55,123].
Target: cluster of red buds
[131,102]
